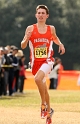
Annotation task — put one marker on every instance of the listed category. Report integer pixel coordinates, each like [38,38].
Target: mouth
[40,18]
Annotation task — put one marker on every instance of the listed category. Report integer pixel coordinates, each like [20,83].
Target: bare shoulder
[29,28]
[52,28]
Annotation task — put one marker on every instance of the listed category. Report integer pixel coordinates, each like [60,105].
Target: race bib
[41,52]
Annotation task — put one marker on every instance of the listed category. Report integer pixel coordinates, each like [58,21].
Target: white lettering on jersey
[41,40]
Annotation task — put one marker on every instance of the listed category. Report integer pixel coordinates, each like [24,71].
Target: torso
[40,43]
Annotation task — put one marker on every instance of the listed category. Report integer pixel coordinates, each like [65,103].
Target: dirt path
[31,116]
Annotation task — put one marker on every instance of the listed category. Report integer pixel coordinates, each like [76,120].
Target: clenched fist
[27,35]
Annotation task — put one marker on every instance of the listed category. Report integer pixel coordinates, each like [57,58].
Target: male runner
[41,37]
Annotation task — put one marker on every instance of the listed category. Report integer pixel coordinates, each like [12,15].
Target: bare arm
[55,37]
[57,41]
[27,36]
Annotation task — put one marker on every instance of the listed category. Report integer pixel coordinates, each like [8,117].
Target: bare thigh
[43,71]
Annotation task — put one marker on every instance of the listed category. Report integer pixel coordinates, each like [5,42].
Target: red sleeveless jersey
[40,47]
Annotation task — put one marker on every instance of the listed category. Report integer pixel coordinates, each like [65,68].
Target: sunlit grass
[32,98]
[26,107]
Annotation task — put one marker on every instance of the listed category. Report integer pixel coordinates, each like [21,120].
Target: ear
[47,15]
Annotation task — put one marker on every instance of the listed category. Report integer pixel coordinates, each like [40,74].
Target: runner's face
[41,15]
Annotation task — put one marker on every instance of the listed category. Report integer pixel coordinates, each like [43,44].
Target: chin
[41,20]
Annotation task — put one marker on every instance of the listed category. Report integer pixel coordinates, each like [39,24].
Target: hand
[61,49]
[28,35]
[26,39]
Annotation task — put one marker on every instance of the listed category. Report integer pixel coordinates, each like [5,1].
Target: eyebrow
[40,12]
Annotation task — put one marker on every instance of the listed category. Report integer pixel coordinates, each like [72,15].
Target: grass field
[25,109]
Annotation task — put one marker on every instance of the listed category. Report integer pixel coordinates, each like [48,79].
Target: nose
[40,14]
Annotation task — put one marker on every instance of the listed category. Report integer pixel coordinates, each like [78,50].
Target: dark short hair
[43,7]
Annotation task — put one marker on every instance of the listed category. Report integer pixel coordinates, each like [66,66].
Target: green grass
[32,98]
[65,96]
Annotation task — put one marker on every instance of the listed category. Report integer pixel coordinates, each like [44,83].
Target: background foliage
[16,15]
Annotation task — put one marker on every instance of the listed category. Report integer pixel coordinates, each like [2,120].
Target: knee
[37,80]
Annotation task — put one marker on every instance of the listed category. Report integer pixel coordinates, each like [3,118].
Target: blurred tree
[16,15]
[72,36]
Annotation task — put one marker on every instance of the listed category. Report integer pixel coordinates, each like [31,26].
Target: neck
[41,25]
